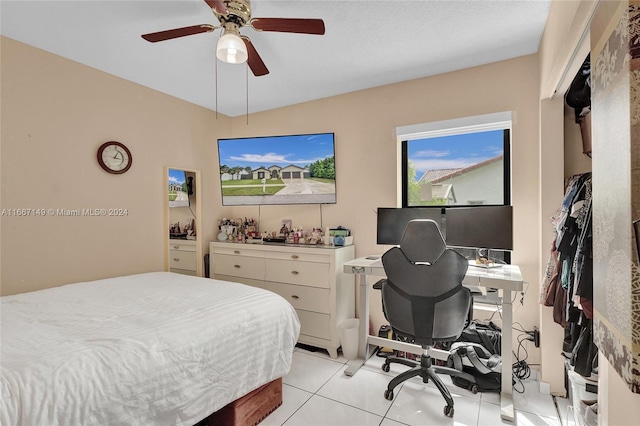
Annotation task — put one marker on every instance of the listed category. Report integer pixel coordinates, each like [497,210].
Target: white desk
[507,279]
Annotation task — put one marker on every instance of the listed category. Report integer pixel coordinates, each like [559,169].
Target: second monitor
[470,227]
[488,227]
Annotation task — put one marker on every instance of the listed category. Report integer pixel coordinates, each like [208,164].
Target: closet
[568,281]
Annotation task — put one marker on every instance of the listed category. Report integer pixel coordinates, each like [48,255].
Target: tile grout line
[315,393]
[386,413]
[555,403]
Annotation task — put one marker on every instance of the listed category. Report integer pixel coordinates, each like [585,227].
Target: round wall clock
[114,157]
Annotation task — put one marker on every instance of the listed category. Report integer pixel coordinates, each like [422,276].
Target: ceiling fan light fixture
[231,48]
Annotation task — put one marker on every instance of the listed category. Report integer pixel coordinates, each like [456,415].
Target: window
[460,162]
[467,165]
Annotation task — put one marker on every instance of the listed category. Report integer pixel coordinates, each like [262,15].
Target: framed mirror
[183,221]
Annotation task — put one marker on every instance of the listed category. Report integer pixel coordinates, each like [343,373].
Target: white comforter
[148,349]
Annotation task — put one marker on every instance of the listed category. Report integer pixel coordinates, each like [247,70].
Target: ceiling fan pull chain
[246,74]
[216,84]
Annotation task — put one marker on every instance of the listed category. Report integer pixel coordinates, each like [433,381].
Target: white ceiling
[367,43]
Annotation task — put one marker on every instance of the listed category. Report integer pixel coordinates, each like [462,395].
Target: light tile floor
[316,392]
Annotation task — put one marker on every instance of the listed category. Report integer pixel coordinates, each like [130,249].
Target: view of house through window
[464,169]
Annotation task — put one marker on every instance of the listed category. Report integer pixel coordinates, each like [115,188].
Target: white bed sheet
[148,349]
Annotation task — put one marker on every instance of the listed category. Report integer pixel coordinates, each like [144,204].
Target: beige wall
[564,35]
[364,124]
[55,115]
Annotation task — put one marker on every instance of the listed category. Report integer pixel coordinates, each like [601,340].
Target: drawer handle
[176,247]
[295,297]
[236,252]
[294,256]
[236,266]
[295,272]
[176,259]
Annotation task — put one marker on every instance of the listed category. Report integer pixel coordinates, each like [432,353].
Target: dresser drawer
[299,256]
[182,259]
[238,250]
[301,297]
[314,324]
[296,272]
[238,266]
[181,246]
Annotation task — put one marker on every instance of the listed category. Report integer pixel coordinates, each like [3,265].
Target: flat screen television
[288,169]
[480,227]
[392,221]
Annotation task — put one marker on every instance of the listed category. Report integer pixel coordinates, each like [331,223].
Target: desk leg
[363,314]
[507,410]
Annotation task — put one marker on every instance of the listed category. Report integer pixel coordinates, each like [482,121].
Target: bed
[149,349]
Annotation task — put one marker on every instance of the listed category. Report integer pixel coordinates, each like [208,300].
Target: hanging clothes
[568,281]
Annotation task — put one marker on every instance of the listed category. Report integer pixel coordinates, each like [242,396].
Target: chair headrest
[422,241]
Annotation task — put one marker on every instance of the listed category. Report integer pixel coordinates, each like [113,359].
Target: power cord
[520,368]
[497,311]
[522,293]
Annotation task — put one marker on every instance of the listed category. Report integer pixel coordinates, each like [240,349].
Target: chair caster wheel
[473,389]
[386,367]
[448,410]
[388,395]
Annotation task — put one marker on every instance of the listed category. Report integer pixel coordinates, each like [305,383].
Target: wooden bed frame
[250,409]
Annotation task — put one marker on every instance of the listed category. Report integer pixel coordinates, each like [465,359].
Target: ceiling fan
[233,47]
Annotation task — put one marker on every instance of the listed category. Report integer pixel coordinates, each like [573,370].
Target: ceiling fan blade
[258,67]
[218,6]
[289,25]
[178,32]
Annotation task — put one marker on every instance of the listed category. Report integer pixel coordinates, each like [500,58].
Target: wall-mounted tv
[289,169]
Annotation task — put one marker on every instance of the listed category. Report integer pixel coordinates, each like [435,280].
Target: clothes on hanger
[568,281]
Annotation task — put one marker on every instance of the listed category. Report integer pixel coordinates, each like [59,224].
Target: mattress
[148,349]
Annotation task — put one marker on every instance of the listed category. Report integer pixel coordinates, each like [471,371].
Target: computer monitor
[392,221]
[488,227]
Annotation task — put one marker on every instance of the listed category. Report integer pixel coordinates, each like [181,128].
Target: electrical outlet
[534,336]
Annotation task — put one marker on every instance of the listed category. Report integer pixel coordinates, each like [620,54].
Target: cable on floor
[520,368]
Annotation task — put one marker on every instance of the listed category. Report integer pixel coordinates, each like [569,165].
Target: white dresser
[311,278]
[182,256]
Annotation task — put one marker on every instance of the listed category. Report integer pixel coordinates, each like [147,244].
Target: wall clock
[114,157]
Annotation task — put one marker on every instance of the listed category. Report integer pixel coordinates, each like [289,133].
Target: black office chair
[424,300]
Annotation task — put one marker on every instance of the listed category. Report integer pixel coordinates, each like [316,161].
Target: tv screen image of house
[178,191]
[289,169]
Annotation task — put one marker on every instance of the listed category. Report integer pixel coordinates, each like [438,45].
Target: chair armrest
[378,285]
